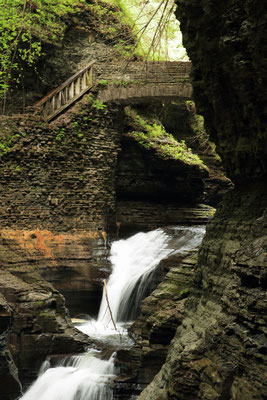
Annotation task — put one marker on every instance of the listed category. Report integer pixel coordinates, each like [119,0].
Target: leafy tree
[24,25]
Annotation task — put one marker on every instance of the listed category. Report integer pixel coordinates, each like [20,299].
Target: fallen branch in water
[106,293]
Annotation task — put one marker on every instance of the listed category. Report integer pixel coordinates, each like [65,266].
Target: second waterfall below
[134,265]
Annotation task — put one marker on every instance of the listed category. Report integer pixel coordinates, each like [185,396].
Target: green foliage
[157,32]
[123,83]
[99,104]
[24,25]
[60,135]
[184,292]
[153,136]
[103,82]
[108,20]
[6,143]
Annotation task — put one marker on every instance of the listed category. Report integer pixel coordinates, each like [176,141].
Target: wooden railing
[67,93]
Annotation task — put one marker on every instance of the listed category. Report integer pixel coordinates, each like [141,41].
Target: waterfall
[134,265]
[83,377]
[133,261]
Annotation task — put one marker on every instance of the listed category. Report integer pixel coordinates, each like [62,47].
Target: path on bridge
[134,82]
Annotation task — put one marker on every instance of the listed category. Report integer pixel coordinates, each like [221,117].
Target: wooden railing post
[67,93]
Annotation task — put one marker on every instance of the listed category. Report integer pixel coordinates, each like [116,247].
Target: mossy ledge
[150,134]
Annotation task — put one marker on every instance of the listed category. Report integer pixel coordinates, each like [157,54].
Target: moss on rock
[150,134]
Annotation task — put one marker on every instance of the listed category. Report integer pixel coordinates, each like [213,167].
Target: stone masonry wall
[139,81]
[143,72]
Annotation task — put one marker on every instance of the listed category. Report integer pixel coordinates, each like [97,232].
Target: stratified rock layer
[161,313]
[219,351]
[58,199]
[227,47]
[75,263]
[60,177]
[34,324]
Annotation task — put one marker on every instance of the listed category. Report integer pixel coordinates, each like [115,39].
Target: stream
[89,376]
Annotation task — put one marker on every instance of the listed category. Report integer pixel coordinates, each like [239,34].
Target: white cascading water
[134,262]
[83,377]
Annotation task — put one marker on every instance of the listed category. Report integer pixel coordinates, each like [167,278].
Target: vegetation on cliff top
[150,134]
[133,28]
[24,25]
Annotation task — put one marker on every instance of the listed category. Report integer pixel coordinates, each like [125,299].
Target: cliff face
[34,324]
[43,196]
[63,178]
[58,200]
[219,351]
[226,46]
[60,177]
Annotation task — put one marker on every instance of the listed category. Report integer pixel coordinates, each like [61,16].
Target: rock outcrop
[141,174]
[10,385]
[34,324]
[74,263]
[161,313]
[219,351]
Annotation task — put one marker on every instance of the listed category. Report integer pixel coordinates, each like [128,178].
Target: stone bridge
[134,82]
[141,82]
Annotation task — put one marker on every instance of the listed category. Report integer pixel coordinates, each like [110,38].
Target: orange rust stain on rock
[45,243]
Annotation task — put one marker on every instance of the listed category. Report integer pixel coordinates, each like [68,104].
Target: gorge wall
[59,192]
[219,351]
[59,209]
[47,234]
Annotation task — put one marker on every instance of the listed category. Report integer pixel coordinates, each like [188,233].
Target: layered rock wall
[34,324]
[219,351]
[60,177]
[226,44]
[57,196]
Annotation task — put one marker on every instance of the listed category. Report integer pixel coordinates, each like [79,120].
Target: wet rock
[144,175]
[223,325]
[36,324]
[218,349]
[154,329]
[10,386]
